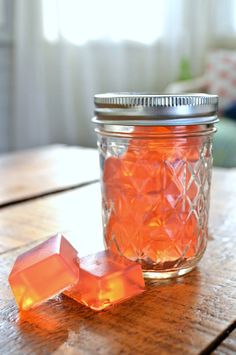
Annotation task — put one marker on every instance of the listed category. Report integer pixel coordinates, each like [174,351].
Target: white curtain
[55,78]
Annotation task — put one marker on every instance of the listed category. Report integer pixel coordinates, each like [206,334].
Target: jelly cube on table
[105,279]
[44,271]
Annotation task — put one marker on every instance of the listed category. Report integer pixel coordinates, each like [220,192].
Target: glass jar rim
[124,131]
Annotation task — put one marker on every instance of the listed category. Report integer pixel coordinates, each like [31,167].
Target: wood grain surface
[228,346]
[41,171]
[190,314]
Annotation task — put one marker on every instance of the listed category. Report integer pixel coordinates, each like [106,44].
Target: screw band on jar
[152,109]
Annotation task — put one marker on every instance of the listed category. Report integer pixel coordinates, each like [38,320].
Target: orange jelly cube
[149,193]
[44,271]
[105,279]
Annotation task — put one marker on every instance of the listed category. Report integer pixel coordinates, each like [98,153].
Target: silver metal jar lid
[152,109]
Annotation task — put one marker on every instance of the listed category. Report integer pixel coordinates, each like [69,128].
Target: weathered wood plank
[179,316]
[40,171]
[228,346]
[77,211]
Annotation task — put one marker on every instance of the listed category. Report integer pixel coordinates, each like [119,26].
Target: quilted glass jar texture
[155,198]
[155,182]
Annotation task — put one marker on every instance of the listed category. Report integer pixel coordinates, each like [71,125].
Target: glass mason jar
[156,161]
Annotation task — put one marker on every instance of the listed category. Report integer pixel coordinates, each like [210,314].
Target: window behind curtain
[79,21]
[6,57]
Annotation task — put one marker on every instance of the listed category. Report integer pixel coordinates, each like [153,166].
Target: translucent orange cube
[44,271]
[105,279]
[151,197]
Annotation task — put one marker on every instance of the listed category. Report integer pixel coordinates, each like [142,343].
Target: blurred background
[56,54]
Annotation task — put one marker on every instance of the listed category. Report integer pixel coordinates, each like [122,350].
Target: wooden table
[54,189]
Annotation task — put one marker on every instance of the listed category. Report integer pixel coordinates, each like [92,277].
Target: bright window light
[79,21]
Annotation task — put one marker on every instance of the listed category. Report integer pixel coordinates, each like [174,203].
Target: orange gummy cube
[44,271]
[105,279]
[151,196]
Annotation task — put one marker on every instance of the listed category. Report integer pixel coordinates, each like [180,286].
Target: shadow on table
[163,311]
[43,330]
